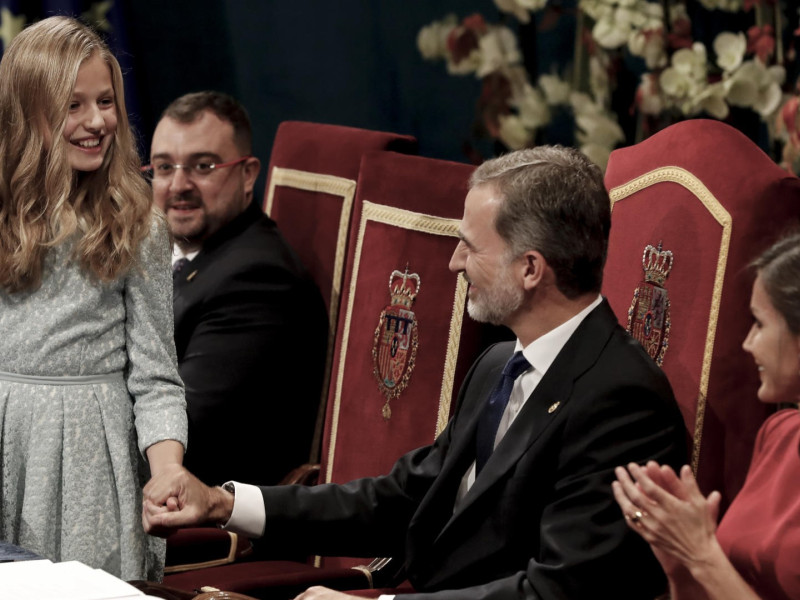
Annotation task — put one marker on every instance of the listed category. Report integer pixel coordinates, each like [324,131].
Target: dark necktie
[494,409]
[178,265]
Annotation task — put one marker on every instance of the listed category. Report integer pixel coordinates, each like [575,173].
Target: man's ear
[250,170]
[534,269]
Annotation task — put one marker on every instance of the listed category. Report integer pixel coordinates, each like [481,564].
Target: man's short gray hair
[554,202]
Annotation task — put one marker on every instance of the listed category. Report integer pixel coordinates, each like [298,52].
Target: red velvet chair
[704,192]
[405,223]
[310,190]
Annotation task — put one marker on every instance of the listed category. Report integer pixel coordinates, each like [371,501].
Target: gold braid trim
[453,344]
[233,538]
[346,189]
[723,217]
[367,573]
[404,219]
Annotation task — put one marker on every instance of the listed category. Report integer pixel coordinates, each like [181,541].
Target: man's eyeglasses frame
[190,170]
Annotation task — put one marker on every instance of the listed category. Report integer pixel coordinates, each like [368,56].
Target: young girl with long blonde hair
[89,388]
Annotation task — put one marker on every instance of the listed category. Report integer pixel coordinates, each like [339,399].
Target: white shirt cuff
[248,516]
[386,597]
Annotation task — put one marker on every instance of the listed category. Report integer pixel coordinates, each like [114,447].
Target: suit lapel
[462,452]
[436,507]
[542,408]
[194,270]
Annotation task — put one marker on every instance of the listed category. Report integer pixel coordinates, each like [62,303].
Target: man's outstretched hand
[179,499]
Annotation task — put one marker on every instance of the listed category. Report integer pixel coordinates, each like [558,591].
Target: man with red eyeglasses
[250,325]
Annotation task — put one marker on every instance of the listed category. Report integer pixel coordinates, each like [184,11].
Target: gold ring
[636,517]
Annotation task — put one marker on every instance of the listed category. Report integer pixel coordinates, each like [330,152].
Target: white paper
[44,580]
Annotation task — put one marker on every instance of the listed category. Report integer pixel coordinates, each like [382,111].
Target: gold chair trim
[367,573]
[722,216]
[346,189]
[405,219]
[234,540]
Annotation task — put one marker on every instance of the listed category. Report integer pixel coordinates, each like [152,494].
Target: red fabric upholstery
[310,219]
[380,244]
[708,194]
[310,190]
[200,547]
[377,247]
[276,580]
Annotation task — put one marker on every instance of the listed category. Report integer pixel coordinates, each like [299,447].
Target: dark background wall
[352,62]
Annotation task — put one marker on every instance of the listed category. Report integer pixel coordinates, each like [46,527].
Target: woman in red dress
[755,552]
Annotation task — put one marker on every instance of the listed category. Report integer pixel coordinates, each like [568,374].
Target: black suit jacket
[250,331]
[540,520]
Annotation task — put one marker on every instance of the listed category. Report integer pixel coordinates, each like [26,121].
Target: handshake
[174,498]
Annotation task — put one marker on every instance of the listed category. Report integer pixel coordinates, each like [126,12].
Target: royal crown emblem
[648,317]
[394,350]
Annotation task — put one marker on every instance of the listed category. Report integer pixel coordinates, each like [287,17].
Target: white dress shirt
[178,254]
[249,516]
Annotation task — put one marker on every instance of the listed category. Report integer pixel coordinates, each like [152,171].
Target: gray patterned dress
[87,373]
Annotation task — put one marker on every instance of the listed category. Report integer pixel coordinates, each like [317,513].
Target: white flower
[532,108]
[513,132]
[755,86]
[599,83]
[556,90]
[520,8]
[647,34]
[601,129]
[730,48]
[649,44]
[648,96]
[685,84]
[770,96]
[583,104]
[498,49]
[517,78]
[712,100]
[685,79]
[726,5]
[691,61]
[674,83]
[594,8]
[742,87]
[653,13]
[778,74]
[597,154]
[432,39]
[597,130]
[613,28]
[676,13]
[465,66]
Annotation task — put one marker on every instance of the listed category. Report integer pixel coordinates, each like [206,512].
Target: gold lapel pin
[553,407]
[191,275]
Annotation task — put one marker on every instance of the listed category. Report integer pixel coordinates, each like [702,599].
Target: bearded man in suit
[522,508]
[250,325]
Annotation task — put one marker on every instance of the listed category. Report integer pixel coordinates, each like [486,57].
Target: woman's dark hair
[779,269]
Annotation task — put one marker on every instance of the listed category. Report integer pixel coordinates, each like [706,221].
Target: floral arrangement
[679,76]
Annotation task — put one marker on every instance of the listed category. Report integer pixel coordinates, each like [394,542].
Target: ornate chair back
[404,341]
[691,207]
[310,190]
